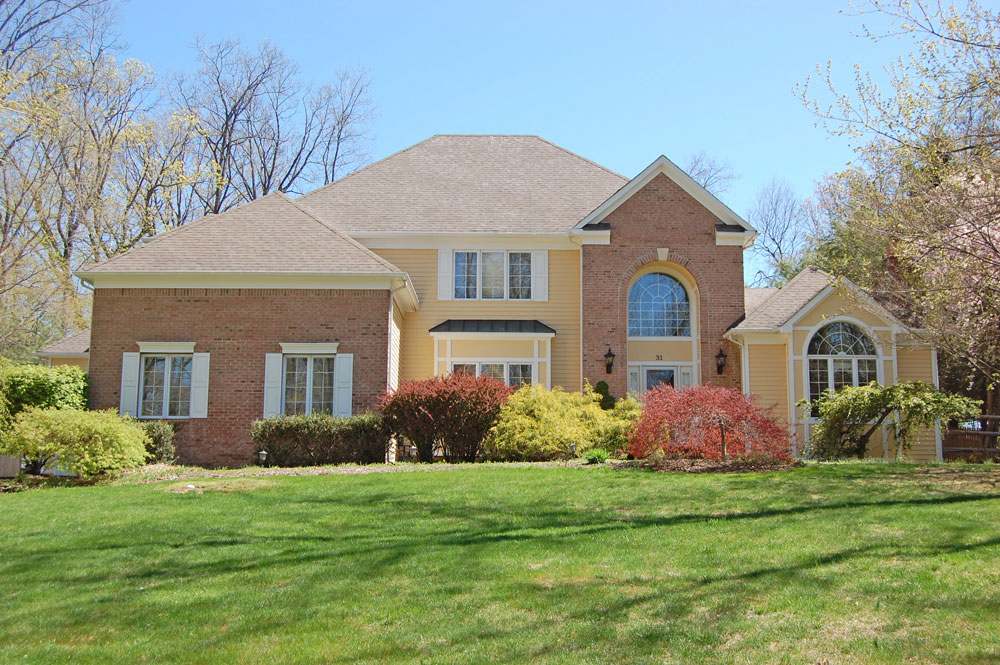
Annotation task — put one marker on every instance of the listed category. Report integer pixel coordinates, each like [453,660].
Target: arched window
[658,307]
[840,355]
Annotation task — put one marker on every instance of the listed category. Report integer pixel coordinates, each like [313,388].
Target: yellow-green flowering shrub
[87,443]
[537,424]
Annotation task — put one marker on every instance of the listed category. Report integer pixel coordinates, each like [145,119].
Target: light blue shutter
[272,384]
[199,385]
[343,383]
[128,406]
[446,271]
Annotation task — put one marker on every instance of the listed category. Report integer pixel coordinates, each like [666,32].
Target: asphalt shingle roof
[78,343]
[773,310]
[462,183]
[270,234]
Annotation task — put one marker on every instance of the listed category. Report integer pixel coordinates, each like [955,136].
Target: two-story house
[500,255]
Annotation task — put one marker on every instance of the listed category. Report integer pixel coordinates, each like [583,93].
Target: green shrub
[537,424]
[314,439]
[596,456]
[607,399]
[24,386]
[161,441]
[87,443]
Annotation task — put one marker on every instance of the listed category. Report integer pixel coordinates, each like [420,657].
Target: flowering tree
[706,422]
[455,411]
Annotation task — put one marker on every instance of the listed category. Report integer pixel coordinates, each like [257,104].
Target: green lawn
[852,563]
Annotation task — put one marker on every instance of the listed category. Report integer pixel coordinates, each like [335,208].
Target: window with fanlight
[840,354]
[658,306]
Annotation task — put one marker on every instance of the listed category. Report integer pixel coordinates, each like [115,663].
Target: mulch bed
[668,464]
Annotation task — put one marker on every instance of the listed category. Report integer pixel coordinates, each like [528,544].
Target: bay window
[512,373]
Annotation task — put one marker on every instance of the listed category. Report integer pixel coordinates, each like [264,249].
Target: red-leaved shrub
[692,422]
[455,410]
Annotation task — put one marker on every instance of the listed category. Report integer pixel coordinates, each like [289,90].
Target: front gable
[729,228]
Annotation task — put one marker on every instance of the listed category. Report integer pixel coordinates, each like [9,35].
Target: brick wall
[660,215]
[237,326]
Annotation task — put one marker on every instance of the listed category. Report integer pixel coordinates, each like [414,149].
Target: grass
[846,563]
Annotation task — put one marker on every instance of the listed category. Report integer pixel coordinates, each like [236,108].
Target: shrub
[314,439]
[607,399]
[694,422]
[849,417]
[87,443]
[161,441]
[596,456]
[538,425]
[24,386]
[455,411]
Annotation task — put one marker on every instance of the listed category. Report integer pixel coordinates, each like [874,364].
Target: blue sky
[619,83]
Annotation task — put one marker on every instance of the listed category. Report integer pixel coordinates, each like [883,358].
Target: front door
[643,377]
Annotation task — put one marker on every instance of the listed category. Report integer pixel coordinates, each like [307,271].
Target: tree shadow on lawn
[600,603]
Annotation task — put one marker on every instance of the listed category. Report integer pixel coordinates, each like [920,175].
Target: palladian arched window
[840,355]
[658,306]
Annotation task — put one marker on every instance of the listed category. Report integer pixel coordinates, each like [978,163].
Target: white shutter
[446,269]
[343,383]
[199,385]
[540,275]
[633,380]
[272,384]
[685,377]
[130,385]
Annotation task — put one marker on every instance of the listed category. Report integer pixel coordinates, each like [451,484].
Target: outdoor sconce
[609,360]
[720,361]
[263,457]
[413,450]
[572,450]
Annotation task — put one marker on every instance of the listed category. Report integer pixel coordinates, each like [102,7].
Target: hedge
[315,439]
[24,386]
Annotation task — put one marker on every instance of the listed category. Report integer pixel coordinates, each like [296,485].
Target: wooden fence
[974,440]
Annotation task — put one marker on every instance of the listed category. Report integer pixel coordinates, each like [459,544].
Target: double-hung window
[165,386]
[492,275]
[513,374]
[308,384]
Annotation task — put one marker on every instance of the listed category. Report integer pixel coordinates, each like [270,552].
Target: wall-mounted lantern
[720,361]
[609,360]
[263,457]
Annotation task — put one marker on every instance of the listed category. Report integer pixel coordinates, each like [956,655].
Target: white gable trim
[683,180]
[873,309]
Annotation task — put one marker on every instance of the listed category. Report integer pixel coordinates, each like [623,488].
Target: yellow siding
[835,305]
[667,351]
[561,312]
[82,363]
[916,364]
[493,348]
[769,377]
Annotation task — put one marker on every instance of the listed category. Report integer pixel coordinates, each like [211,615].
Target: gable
[833,302]
[730,229]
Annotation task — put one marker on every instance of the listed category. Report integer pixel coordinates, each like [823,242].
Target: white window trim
[506,275]
[309,348]
[450,360]
[642,365]
[506,362]
[165,407]
[161,348]
[310,357]
[879,357]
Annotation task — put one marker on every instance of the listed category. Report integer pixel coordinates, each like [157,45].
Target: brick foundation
[238,327]
[660,215]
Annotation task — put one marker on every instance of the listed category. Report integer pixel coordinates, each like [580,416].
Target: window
[658,307]
[308,384]
[513,374]
[840,355]
[492,275]
[166,386]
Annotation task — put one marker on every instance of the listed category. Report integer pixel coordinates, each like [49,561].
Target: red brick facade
[660,215]
[238,327]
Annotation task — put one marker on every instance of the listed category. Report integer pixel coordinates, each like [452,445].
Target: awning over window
[520,326]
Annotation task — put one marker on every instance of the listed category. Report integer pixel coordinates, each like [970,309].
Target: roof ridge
[367,166]
[333,229]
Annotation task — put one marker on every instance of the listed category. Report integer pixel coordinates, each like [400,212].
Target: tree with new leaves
[850,417]
[916,220]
